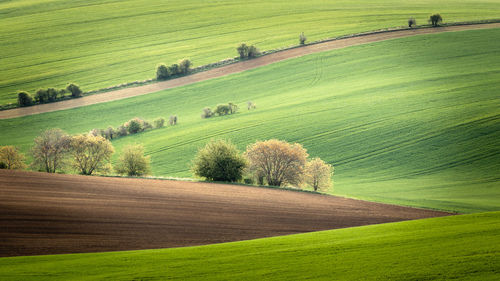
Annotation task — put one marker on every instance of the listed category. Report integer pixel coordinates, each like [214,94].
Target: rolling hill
[49,43]
[411,121]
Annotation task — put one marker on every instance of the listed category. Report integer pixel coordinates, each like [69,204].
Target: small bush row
[133,126]
[247,52]
[48,95]
[220,110]
[164,72]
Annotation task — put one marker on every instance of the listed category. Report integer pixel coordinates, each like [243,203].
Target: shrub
[24,99]
[219,161]
[252,52]
[159,122]
[172,120]
[207,113]
[75,90]
[251,105]
[435,19]
[91,154]
[3,165]
[222,109]
[279,162]
[11,158]
[174,69]
[96,132]
[41,96]
[109,133]
[184,66]
[52,94]
[302,38]
[242,50]
[318,174]
[50,150]
[132,162]
[233,108]
[146,125]
[62,93]
[162,72]
[121,131]
[134,126]
[411,22]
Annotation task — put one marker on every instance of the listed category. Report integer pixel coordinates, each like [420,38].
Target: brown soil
[54,214]
[230,69]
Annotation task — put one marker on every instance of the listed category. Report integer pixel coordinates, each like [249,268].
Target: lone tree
[302,38]
[75,90]
[411,22]
[91,154]
[24,99]
[280,162]
[132,162]
[318,174]
[50,150]
[435,19]
[219,160]
[11,158]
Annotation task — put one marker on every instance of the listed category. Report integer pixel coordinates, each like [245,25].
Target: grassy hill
[49,43]
[451,248]
[413,121]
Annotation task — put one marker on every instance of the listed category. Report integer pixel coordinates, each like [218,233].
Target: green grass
[465,247]
[412,121]
[49,43]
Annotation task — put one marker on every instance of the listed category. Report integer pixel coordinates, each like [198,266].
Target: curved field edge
[230,67]
[464,247]
[101,43]
[410,121]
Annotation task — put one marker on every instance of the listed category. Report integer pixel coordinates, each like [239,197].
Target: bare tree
[318,174]
[12,158]
[279,161]
[91,154]
[50,150]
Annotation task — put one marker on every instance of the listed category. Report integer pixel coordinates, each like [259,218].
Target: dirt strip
[54,214]
[230,69]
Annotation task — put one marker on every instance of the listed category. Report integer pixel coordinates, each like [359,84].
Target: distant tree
[52,94]
[159,122]
[24,99]
[281,163]
[50,150]
[318,174]
[174,69]
[91,154]
[251,105]
[134,125]
[121,131]
[75,90]
[172,121]
[411,22]
[41,96]
[222,109]
[109,133]
[162,72]
[62,93]
[184,66]
[132,162]
[12,158]
[219,161]
[253,52]
[96,132]
[242,50]
[435,19]
[207,113]
[233,108]
[146,125]
[302,38]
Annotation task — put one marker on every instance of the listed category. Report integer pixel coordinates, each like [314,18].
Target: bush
[411,22]
[121,131]
[184,66]
[174,69]
[62,93]
[279,162]
[162,72]
[52,94]
[222,109]
[242,50]
[219,161]
[435,19]
[318,174]
[11,158]
[24,99]
[302,38]
[207,113]
[3,166]
[91,154]
[159,122]
[41,96]
[75,90]
[109,133]
[252,52]
[134,126]
[132,162]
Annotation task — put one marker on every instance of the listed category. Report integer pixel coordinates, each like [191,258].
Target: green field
[412,121]
[49,43]
[463,247]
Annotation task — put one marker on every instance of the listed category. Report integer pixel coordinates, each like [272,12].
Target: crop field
[49,43]
[412,121]
[465,247]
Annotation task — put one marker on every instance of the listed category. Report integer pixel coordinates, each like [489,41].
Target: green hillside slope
[451,248]
[49,43]
[413,121]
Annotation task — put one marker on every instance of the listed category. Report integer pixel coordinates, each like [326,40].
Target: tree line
[48,95]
